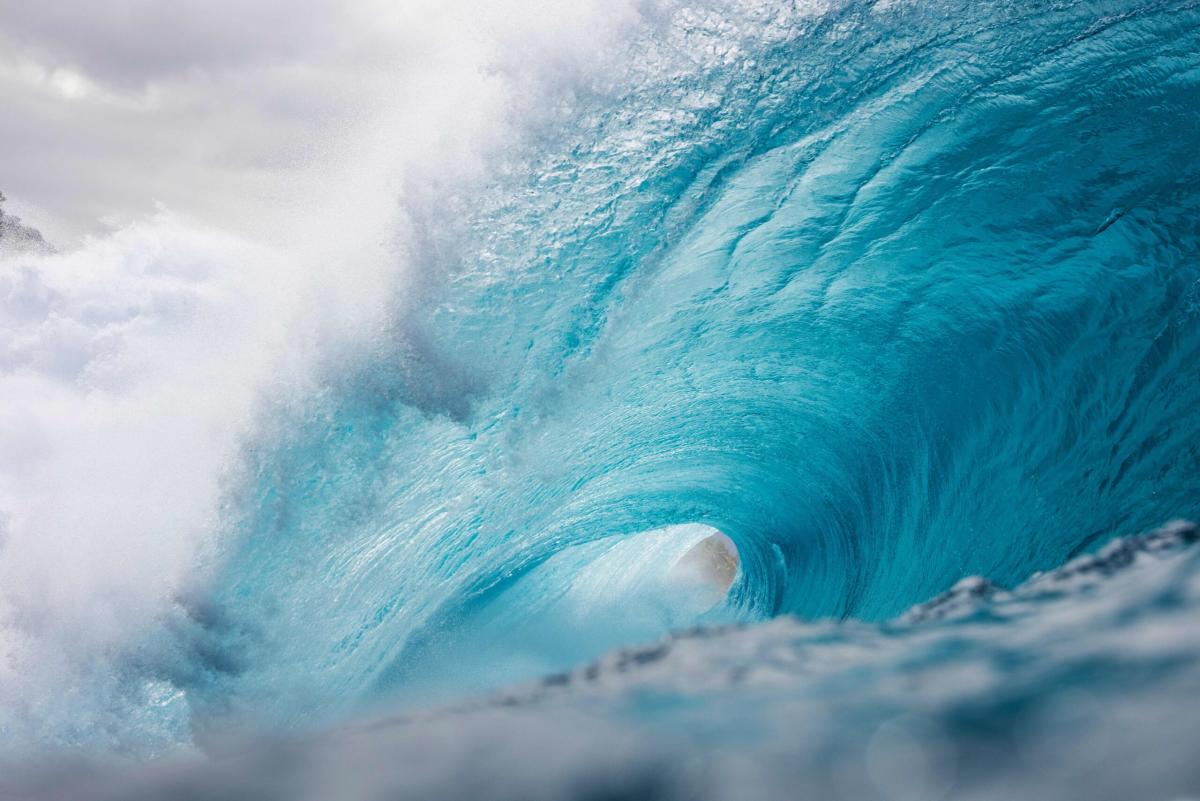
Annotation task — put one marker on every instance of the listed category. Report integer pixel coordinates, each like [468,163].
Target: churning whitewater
[748,310]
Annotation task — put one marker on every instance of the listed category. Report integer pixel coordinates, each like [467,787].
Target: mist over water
[887,294]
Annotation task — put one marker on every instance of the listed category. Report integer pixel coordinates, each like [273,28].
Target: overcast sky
[221,109]
[214,108]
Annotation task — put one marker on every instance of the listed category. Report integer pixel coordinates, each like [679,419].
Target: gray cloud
[228,110]
[131,42]
[213,107]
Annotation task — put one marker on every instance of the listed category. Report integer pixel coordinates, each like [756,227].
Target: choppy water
[891,294]
[1078,684]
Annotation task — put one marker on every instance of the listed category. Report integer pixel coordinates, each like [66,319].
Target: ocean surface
[1078,684]
[901,298]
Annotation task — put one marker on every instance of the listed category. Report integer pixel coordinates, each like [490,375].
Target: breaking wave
[887,294]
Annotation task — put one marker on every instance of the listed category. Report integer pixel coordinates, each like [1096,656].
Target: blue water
[891,295]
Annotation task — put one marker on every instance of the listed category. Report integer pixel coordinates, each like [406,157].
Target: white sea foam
[128,370]
[133,367]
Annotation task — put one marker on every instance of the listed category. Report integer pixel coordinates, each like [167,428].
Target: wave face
[891,294]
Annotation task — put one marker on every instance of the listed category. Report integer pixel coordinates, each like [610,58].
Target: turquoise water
[889,294]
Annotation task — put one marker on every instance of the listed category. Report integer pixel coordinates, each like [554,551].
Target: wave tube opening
[582,600]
